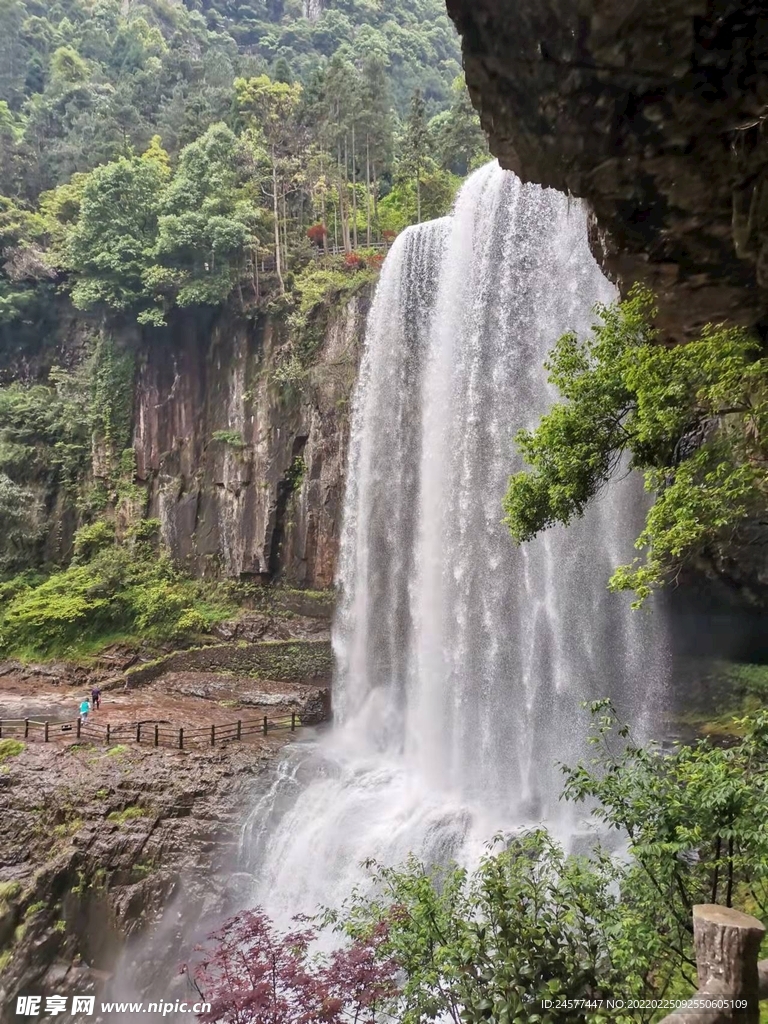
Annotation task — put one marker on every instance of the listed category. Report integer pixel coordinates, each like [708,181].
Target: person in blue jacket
[85,707]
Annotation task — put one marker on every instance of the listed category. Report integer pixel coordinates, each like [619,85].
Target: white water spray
[462,660]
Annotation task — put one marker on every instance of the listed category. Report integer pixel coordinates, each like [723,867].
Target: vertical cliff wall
[246,474]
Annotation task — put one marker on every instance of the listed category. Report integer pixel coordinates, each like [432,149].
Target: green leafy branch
[691,417]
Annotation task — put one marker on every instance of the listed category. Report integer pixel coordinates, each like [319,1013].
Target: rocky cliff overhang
[655,111]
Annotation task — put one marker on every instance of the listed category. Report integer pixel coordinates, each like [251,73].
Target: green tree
[532,924]
[438,192]
[527,926]
[13,52]
[377,124]
[110,249]
[207,221]
[693,417]
[690,816]
[271,108]
[458,139]
[416,145]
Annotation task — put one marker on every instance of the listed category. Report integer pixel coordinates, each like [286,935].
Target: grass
[9,890]
[34,908]
[68,828]
[127,814]
[88,649]
[117,751]
[10,748]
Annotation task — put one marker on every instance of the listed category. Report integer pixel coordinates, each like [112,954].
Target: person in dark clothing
[95,698]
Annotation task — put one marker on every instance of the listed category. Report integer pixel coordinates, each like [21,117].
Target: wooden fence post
[239,729]
[1,730]
[727,945]
[26,728]
[46,732]
[293,721]
[181,739]
[79,726]
[157,735]
[266,725]
[213,735]
[109,730]
[138,732]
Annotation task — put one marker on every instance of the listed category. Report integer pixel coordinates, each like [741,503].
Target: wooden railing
[149,732]
[731,981]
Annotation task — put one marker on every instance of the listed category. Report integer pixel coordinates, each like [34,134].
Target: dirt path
[188,700]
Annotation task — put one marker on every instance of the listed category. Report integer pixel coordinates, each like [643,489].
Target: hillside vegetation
[157,155]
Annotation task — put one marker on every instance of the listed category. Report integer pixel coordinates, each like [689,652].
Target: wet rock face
[246,475]
[97,846]
[652,110]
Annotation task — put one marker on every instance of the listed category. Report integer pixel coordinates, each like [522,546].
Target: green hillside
[82,80]
[158,156]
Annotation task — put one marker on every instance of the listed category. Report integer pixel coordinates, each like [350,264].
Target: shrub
[91,539]
[319,289]
[317,234]
[533,924]
[145,530]
[127,814]
[9,891]
[119,592]
[252,973]
[233,438]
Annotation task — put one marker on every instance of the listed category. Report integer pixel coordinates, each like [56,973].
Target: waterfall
[462,661]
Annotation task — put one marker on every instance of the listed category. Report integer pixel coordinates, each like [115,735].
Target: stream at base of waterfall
[462,660]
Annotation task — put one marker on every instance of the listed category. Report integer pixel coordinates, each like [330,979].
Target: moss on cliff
[320,292]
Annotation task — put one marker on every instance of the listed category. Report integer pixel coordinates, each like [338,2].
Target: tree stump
[727,945]
[762,978]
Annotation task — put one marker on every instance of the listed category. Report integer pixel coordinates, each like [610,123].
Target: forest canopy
[157,153]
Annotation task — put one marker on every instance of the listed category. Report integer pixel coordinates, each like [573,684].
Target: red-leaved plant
[251,973]
[316,234]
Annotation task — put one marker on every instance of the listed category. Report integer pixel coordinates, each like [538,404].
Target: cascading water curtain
[462,661]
